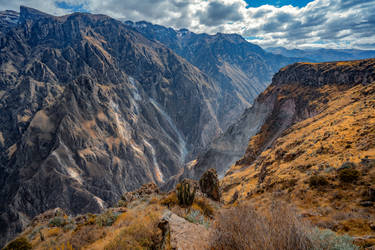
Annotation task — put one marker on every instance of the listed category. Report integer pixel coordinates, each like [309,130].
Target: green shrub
[318,181]
[106,219]
[197,218]
[18,244]
[349,175]
[328,240]
[57,221]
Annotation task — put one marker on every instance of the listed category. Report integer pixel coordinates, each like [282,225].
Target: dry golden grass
[342,131]
[134,229]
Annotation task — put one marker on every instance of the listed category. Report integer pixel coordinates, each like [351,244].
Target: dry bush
[85,235]
[139,229]
[205,206]
[170,200]
[18,244]
[278,228]
[243,227]
[317,181]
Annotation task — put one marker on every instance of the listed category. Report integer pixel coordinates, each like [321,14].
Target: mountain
[324,55]
[90,109]
[316,148]
[275,110]
[242,69]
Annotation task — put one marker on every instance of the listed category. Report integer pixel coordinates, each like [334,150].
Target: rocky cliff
[91,109]
[294,95]
[242,69]
[316,149]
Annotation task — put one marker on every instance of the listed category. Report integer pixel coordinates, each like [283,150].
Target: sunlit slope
[304,164]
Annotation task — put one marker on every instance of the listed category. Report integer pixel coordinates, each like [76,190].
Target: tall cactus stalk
[185,193]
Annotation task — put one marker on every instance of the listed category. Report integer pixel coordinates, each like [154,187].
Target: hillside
[149,219]
[316,149]
[242,69]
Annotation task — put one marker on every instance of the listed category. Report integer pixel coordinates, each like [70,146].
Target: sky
[287,23]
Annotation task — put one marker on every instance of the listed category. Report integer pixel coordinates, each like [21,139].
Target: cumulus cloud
[321,23]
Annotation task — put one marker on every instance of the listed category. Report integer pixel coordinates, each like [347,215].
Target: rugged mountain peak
[318,74]
[27,13]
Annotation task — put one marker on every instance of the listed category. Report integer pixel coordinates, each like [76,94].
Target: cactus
[185,193]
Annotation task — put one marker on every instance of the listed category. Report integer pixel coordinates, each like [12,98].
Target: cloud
[329,23]
[218,13]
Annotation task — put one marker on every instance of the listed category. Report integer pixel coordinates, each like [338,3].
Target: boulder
[182,233]
[209,184]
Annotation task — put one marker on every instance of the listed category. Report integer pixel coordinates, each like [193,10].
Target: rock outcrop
[209,184]
[182,233]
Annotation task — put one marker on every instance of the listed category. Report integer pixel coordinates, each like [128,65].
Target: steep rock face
[241,69]
[91,109]
[8,19]
[294,95]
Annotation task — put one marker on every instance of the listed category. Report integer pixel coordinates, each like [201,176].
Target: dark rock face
[209,184]
[8,19]
[91,109]
[241,69]
[320,74]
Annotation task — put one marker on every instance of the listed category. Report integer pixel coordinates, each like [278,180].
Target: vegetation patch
[316,181]
[18,244]
[349,175]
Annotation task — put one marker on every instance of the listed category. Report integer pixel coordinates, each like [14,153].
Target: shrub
[170,200]
[349,175]
[205,206]
[243,227]
[317,181]
[139,230]
[58,221]
[122,203]
[106,219]
[197,218]
[326,239]
[85,235]
[18,244]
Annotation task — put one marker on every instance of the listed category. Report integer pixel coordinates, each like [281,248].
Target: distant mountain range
[241,69]
[324,55]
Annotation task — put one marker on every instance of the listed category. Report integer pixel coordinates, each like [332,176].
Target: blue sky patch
[70,7]
[278,3]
